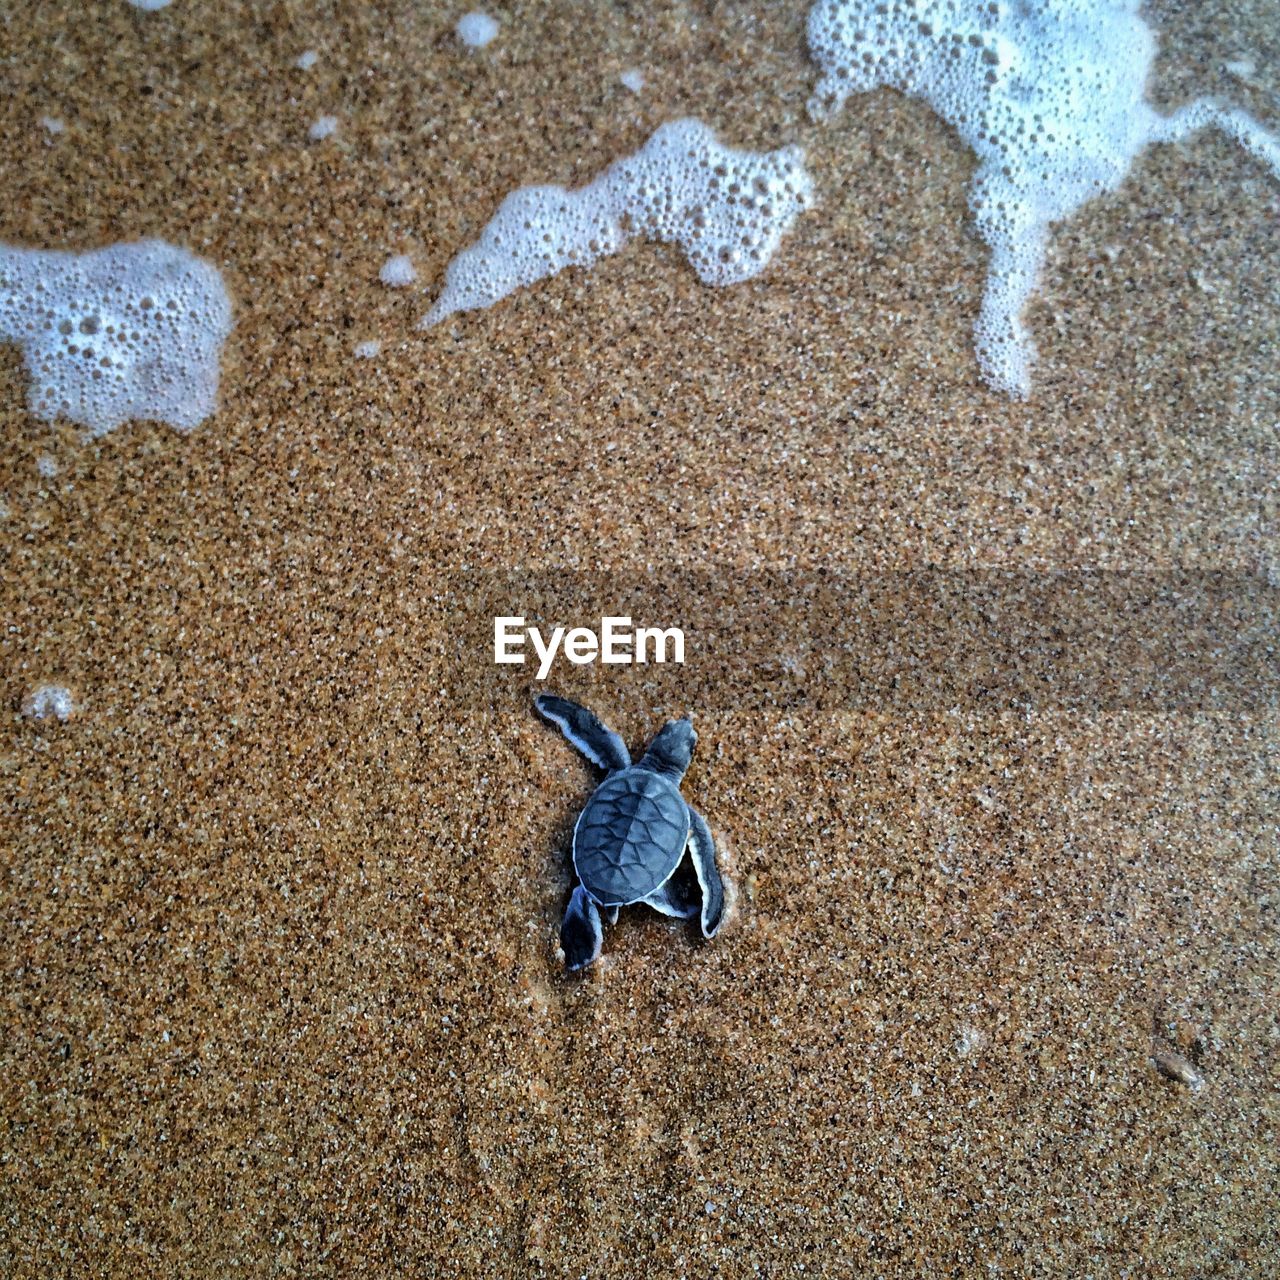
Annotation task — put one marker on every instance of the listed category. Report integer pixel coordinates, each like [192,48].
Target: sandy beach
[985,688]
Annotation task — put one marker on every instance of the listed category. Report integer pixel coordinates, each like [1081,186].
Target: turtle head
[671,751]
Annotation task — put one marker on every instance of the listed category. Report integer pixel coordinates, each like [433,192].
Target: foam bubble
[150,6]
[47,465]
[632,79]
[324,127]
[476,29]
[307,59]
[727,210]
[1051,97]
[49,702]
[367,350]
[129,331]
[398,272]
[52,125]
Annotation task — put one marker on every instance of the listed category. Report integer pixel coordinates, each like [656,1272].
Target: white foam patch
[307,59]
[727,210]
[1051,97]
[367,350]
[476,29]
[150,6]
[49,702]
[324,127]
[132,331]
[632,79]
[47,465]
[398,272]
[52,125]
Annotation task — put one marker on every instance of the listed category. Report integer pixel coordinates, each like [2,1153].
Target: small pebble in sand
[476,29]
[398,272]
[307,59]
[323,128]
[47,465]
[49,702]
[367,350]
[1173,1066]
[52,125]
[632,79]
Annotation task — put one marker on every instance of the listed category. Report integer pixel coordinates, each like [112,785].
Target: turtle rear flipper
[581,934]
[678,897]
[702,851]
[600,745]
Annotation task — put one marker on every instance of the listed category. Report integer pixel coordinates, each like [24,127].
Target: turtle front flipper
[702,852]
[601,746]
[581,935]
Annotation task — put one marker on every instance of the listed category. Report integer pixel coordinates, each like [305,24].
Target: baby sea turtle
[634,832]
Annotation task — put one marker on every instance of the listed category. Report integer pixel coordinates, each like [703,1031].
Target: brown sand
[280,985]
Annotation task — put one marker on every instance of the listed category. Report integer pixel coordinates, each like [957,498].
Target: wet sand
[281,992]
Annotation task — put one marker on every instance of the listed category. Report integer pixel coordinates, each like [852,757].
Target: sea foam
[49,702]
[727,210]
[1051,97]
[398,272]
[130,331]
[476,29]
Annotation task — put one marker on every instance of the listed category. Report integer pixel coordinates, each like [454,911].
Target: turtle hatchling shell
[630,837]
